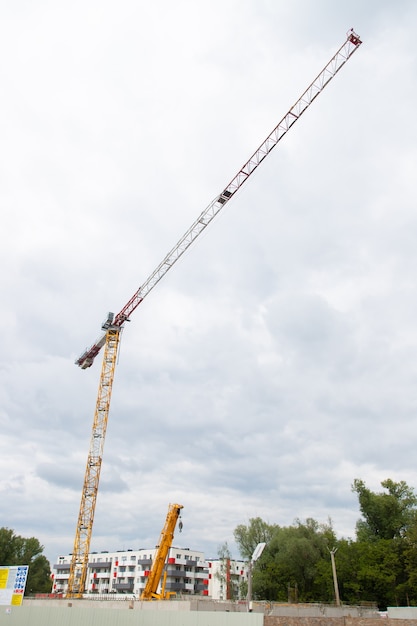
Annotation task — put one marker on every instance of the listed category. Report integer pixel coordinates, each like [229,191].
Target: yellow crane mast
[165,543]
[79,559]
[114,324]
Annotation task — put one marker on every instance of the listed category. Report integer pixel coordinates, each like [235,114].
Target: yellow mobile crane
[165,542]
[114,324]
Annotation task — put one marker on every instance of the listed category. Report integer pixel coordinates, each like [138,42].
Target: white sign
[12,584]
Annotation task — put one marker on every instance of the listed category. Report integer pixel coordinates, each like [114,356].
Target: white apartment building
[225,579]
[126,572]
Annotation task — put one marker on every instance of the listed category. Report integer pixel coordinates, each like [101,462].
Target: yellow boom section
[165,542]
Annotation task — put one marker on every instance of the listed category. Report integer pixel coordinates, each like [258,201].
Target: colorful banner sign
[12,584]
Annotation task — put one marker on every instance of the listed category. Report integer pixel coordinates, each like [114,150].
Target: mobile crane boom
[114,324]
[165,543]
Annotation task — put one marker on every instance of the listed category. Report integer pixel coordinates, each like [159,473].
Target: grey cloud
[276,362]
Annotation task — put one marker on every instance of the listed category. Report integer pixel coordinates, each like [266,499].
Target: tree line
[17,550]
[379,565]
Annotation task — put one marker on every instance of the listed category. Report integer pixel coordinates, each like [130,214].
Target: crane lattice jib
[313,90]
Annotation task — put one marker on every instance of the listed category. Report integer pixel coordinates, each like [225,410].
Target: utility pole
[250,586]
[336,587]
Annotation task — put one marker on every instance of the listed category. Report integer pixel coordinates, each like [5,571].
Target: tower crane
[113,325]
[165,542]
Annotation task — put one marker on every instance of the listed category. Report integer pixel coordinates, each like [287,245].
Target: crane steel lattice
[114,324]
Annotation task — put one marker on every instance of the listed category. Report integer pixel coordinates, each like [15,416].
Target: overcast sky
[277,361]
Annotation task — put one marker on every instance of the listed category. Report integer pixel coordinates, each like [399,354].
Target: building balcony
[174,586]
[201,580]
[175,573]
[100,576]
[123,587]
[100,565]
[61,566]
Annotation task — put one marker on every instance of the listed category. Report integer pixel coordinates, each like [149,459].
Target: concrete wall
[403,612]
[193,604]
[320,610]
[274,620]
[81,615]
[189,613]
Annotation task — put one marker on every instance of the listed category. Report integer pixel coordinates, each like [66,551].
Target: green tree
[7,546]
[380,572]
[39,575]
[306,551]
[296,563]
[386,515]
[385,549]
[222,573]
[248,537]
[17,550]
[409,588]
[379,566]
